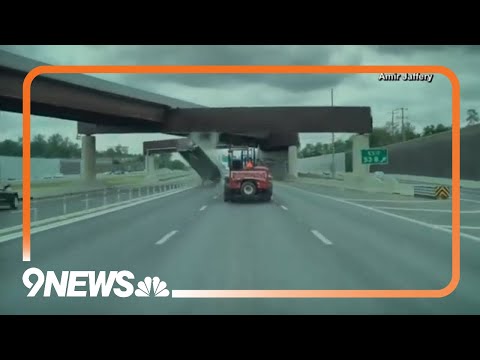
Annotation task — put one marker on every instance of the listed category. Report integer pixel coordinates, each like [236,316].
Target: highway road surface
[308,237]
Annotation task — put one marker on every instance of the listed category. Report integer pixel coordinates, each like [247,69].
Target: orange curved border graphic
[268,69]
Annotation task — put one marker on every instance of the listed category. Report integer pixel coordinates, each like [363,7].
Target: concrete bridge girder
[102,107]
[205,161]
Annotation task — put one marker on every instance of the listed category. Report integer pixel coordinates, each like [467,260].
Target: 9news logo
[90,284]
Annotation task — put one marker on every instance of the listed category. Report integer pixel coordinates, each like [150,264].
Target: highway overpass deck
[109,107]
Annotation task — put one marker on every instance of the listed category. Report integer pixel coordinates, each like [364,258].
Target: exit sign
[374,156]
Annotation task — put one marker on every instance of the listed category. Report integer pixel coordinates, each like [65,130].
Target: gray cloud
[230,55]
[415,49]
[427,103]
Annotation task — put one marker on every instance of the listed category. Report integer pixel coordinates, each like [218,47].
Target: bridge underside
[194,155]
[114,108]
[242,120]
[103,107]
[204,162]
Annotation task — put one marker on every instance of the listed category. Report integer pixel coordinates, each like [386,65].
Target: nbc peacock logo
[152,287]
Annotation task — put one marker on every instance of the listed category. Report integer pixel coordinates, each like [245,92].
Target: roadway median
[464,184]
[406,179]
[372,183]
[11,231]
[53,188]
[67,203]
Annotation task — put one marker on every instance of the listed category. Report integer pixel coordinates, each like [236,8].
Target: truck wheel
[248,189]
[14,203]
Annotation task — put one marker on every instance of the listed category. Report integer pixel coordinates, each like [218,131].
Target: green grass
[46,185]
[113,181]
[124,180]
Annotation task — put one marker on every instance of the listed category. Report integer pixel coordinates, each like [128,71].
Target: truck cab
[246,182]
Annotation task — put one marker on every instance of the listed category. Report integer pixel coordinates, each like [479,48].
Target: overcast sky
[427,103]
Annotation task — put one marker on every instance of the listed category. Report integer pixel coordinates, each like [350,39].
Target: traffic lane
[9,218]
[470,195]
[226,246]
[435,212]
[261,246]
[233,246]
[254,246]
[52,207]
[86,238]
[110,242]
[349,194]
[414,250]
[440,217]
[390,254]
[467,195]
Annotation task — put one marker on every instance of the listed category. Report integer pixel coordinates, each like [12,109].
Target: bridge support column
[207,142]
[277,161]
[292,161]
[88,171]
[360,142]
[149,163]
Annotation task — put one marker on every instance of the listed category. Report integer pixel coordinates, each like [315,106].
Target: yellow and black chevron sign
[442,192]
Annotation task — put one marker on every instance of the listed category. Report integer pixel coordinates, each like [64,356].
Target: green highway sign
[374,156]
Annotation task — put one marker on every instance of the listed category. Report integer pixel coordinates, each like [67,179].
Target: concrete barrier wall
[73,166]
[321,163]
[11,167]
[277,161]
[432,156]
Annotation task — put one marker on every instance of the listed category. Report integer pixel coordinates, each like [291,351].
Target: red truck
[247,183]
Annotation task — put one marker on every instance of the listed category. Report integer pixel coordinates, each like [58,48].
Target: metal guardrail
[432,191]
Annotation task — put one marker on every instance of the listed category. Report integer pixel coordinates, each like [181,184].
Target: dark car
[9,197]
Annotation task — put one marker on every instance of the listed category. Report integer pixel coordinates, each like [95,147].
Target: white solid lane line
[164,239]
[386,213]
[463,227]
[321,237]
[391,200]
[62,221]
[203,207]
[427,210]
[470,200]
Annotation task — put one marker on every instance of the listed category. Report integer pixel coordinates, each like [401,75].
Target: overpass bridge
[104,107]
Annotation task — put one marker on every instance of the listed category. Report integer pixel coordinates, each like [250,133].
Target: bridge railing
[48,210]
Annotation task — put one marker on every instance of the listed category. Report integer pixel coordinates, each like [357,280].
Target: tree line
[388,134]
[380,136]
[57,146]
